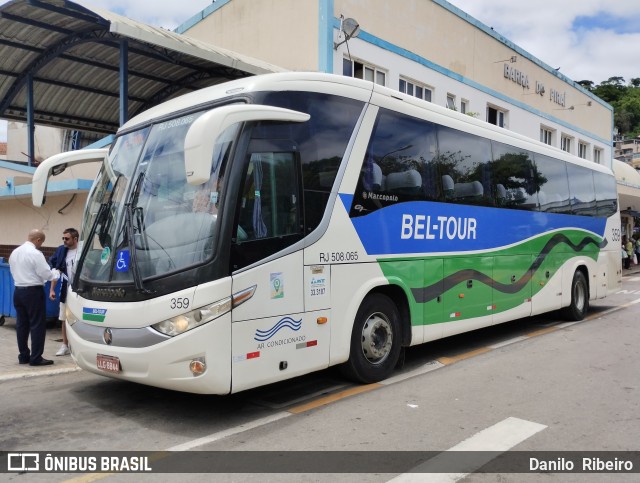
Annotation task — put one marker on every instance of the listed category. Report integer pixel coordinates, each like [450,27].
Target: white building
[427,48]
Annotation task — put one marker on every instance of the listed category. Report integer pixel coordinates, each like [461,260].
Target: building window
[565,143]
[546,135]
[359,70]
[451,102]
[597,155]
[347,68]
[496,116]
[420,91]
[582,150]
[464,106]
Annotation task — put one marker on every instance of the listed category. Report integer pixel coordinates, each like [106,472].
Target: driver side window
[269,211]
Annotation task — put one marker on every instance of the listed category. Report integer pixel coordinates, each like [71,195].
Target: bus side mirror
[56,164]
[202,135]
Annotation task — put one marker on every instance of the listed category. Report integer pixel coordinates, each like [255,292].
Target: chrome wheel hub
[377,338]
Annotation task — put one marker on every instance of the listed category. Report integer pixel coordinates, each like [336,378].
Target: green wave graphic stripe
[431,292]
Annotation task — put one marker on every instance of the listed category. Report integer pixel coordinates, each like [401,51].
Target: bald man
[30,271]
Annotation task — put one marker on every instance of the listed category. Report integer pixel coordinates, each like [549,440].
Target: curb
[45,372]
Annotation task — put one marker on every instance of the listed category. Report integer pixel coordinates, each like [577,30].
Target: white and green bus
[268,227]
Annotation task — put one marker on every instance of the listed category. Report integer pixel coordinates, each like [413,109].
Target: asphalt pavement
[10,369]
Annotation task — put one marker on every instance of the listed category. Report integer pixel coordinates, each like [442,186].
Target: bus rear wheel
[375,340]
[579,298]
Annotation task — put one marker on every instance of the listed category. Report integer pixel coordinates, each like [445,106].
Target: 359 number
[615,234]
[179,303]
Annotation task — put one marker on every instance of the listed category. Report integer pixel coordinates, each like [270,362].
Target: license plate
[108,363]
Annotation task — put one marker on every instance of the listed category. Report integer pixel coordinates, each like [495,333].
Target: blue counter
[6,295]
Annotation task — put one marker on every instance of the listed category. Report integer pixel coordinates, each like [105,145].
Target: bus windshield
[143,220]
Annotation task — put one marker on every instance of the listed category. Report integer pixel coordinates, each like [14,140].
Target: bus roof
[353,88]
[285,81]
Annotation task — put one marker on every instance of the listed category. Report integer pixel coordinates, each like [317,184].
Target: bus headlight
[69,317]
[184,322]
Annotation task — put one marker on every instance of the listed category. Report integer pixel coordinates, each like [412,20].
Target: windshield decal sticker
[105,255]
[122,262]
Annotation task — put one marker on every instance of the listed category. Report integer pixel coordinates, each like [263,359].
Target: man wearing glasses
[64,260]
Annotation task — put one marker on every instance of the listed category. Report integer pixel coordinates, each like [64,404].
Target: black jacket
[59,261]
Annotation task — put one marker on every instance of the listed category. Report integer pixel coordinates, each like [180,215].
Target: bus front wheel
[579,298]
[375,340]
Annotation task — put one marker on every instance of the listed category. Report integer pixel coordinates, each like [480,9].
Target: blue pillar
[124,81]
[325,36]
[31,128]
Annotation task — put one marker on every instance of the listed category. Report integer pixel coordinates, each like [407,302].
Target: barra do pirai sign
[522,79]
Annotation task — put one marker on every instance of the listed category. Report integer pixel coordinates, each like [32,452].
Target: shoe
[42,362]
[23,362]
[63,351]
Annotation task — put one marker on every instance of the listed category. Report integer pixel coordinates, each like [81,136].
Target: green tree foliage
[625,99]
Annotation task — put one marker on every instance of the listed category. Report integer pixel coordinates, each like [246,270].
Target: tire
[1,320]
[579,298]
[375,340]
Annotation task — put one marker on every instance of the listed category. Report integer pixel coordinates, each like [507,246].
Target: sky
[587,39]
[168,14]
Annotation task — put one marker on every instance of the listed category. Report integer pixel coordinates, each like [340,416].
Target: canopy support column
[124,81]
[31,128]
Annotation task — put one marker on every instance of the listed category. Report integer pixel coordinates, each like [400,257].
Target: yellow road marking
[89,478]
[333,398]
[450,360]
[546,330]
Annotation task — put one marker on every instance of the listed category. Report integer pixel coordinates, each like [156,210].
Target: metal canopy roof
[73,55]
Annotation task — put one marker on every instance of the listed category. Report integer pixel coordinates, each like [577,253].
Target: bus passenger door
[272,338]
[467,304]
[512,287]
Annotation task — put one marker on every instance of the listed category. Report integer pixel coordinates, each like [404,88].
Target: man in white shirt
[30,271]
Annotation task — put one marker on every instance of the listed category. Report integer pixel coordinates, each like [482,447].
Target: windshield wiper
[130,207]
[101,217]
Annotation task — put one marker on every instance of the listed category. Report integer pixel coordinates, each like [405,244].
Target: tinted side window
[606,194]
[464,163]
[583,195]
[515,177]
[553,185]
[399,165]
[321,142]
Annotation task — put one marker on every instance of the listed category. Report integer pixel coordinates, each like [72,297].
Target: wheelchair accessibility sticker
[122,261]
